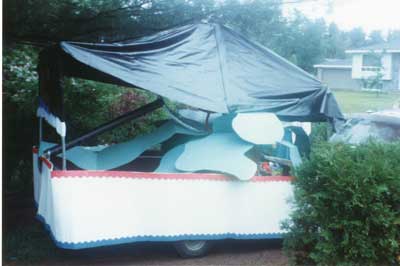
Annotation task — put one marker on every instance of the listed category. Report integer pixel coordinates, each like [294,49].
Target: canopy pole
[61,80]
[64,157]
[40,130]
[107,126]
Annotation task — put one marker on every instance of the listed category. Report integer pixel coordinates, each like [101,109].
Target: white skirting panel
[94,208]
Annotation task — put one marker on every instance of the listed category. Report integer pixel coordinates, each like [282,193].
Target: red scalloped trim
[168,176]
[35,150]
[47,162]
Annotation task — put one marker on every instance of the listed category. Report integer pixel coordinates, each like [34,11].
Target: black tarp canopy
[203,65]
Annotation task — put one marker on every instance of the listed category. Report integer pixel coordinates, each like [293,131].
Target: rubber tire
[188,249]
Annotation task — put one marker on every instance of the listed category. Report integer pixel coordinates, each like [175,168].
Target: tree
[305,41]
[90,20]
[258,20]
[357,37]
[375,37]
[393,35]
[336,42]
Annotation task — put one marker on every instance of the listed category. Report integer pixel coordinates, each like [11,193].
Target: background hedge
[346,206]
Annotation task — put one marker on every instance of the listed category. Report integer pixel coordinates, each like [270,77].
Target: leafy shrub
[319,132]
[99,103]
[131,99]
[347,206]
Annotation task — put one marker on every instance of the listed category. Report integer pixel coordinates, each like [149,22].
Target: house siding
[338,79]
[393,83]
[344,78]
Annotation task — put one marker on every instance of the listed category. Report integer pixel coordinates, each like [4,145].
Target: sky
[347,14]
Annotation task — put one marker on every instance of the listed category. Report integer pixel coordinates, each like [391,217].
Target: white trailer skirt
[84,209]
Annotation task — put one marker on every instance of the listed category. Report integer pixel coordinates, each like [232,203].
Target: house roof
[392,46]
[335,63]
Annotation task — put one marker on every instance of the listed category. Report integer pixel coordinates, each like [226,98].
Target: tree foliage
[19,104]
[297,38]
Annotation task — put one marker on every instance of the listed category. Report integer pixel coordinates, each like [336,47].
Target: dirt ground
[223,253]
[228,252]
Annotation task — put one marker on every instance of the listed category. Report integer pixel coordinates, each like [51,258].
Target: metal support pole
[40,130]
[64,156]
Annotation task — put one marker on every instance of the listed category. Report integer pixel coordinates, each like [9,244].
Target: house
[363,64]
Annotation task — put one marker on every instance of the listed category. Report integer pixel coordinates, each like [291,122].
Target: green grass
[361,101]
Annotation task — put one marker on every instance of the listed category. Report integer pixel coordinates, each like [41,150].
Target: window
[371,62]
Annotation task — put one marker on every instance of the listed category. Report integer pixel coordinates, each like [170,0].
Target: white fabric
[95,209]
[52,120]
[258,128]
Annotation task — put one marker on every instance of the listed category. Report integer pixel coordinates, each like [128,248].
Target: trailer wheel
[192,248]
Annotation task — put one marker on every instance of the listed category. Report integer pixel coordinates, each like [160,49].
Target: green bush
[320,132]
[99,103]
[346,206]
